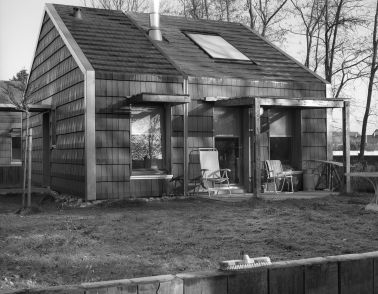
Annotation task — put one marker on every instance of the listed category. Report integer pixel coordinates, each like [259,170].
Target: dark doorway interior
[281,149]
[229,157]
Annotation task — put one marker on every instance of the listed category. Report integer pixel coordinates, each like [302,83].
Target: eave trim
[278,102]
[160,98]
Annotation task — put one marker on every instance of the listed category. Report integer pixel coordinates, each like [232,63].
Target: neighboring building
[355,141]
[127,110]
[10,145]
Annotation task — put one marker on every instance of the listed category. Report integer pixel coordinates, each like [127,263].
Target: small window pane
[16,148]
[217,47]
[147,138]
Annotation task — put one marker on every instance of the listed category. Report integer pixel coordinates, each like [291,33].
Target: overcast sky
[20,22]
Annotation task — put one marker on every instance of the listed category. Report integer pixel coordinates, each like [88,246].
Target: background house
[127,110]
[10,145]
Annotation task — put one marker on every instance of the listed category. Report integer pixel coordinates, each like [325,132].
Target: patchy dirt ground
[127,240]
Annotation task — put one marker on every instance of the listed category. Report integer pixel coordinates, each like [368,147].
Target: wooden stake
[25,160]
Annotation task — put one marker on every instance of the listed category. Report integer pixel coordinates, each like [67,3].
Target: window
[281,135]
[217,47]
[148,139]
[16,149]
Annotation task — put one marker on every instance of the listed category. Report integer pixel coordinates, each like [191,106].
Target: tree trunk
[25,160]
[373,70]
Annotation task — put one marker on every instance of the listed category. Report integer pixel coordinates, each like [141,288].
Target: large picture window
[148,139]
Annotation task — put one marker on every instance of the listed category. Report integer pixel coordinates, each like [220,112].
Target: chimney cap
[77,13]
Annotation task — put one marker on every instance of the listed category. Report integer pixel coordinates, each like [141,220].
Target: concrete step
[223,189]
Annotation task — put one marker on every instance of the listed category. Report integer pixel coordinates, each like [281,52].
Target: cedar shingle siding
[56,77]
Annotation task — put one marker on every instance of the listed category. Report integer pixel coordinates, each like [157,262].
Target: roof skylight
[217,47]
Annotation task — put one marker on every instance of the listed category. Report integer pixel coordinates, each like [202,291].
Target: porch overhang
[278,102]
[159,98]
[8,107]
[254,105]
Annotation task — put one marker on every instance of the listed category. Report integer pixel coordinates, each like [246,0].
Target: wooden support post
[90,136]
[256,149]
[186,154]
[185,126]
[30,139]
[250,150]
[329,134]
[346,145]
[247,160]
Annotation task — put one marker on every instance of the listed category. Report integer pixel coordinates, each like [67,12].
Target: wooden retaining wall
[344,274]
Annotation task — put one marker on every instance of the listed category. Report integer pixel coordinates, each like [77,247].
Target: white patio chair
[212,176]
[275,173]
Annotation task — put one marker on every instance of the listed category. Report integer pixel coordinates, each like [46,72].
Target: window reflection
[147,138]
[217,47]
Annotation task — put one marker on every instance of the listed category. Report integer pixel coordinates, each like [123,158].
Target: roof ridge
[192,19]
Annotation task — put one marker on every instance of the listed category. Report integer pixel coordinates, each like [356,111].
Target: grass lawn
[130,240]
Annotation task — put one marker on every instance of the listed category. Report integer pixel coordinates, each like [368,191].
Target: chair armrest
[225,169]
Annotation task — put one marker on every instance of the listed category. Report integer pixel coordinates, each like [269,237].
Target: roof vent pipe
[154,32]
[77,13]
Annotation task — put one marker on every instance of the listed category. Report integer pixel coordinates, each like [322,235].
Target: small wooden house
[133,95]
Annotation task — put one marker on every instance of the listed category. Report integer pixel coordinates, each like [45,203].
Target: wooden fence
[343,274]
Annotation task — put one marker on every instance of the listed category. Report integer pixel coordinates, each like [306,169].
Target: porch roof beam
[276,101]
[160,98]
[32,108]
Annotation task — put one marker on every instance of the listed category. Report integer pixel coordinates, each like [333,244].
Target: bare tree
[264,14]
[339,16]
[14,92]
[125,5]
[373,72]
[352,65]
[310,14]
[333,43]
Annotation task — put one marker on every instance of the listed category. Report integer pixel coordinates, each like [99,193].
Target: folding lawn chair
[212,176]
[275,173]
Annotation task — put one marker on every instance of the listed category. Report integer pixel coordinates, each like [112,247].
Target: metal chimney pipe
[77,13]
[154,32]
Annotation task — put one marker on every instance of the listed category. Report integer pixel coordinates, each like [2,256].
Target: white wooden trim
[152,177]
[90,135]
[279,101]
[68,39]
[89,100]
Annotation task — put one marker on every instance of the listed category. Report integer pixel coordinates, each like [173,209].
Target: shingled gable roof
[269,63]
[115,42]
